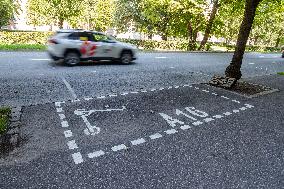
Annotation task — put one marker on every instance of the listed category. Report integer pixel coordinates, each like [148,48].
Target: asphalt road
[31,78]
[151,124]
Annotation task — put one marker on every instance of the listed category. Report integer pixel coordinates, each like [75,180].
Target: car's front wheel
[126,57]
[71,58]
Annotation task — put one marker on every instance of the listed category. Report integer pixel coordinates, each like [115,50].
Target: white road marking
[161,57]
[72,144]
[218,116]
[69,88]
[227,113]
[161,88]
[62,116]
[113,95]
[185,127]
[40,59]
[101,97]
[75,100]
[143,91]
[243,108]
[236,111]
[155,136]
[236,101]
[206,91]
[208,119]
[172,67]
[64,124]
[153,90]
[197,123]
[138,141]
[123,94]
[185,85]
[134,92]
[251,63]
[68,133]
[225,97]
[249,106]
[77,157]
[96,154]
[58,104]
[171,131]
[88,98]
[215,94]
[119,147]
[176,87]
[261,56]
[196,88]
[59,110]
[170,87]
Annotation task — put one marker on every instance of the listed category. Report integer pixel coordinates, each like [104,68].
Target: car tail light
[52,41]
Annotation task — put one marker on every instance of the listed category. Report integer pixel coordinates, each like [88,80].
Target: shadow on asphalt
[98,63]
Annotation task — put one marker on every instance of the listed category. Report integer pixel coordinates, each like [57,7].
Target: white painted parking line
[197,88]
[59,110]
[227,113]
[77,157]
[112,95]
[243,108]
[88,98]
[185,127]
[161,89]
[225,97]
[185,85]
[161,57]
[72,92]
[197,123]
[64,124]
[72,144]
[57,104]
[62,116]
[251,63]
[143,91]
[138,141]
[215,94]
[170,87]
[176,87]
[155,136]
[123,94]
[119,147]
[75,100]
[171,131]
[96,154]
[249,106]
[40,59]
[153,90]
[134,92]
[206,91]
[68,133]
[218,116]
[236,101]
[101,97]
[207,120]
[236,111]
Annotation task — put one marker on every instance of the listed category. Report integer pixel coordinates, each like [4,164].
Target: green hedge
[40,38]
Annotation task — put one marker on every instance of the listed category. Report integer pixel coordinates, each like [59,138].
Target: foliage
[4,119]
[7,37]
[7,10]
[19,47]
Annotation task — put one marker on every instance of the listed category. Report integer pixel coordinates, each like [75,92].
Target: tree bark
[60,23]
[234,69]
[209,25]
[192,35]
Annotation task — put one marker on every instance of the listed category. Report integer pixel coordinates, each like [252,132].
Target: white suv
[75,46]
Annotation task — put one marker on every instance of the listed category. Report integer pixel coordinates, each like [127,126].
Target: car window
[100,37]
[82,36]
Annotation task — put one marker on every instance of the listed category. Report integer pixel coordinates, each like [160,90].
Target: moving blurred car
[75,46]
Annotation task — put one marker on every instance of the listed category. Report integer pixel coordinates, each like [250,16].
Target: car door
[89,47]
[105,47]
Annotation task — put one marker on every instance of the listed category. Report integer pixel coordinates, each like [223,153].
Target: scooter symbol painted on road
[92,129]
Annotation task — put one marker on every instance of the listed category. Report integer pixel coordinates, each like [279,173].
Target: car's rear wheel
[126,57]
[71,58]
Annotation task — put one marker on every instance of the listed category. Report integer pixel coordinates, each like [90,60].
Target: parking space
[95,127]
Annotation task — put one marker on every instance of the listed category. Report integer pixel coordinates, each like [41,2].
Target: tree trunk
[60,23]
[234,69]
[278,39]
[209,25]
[192,35]
[164,37]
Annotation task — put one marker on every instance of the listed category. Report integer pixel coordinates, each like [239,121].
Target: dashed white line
[243,108]
[138,141]
[112,95]
[88,98]
[236,101]
[101,97]
[155,136]
[185,127]
[69,88]
[72,144]
[208,120]
[143,91]
[206,91]
[64,124]
[68,133]
[236,111]
[176,87]
[227,113]
[171,131]
[197,123]
[58,104]
[197,88]
[152,89]
[119,147]
[96,154]
[225,97]
[123,94]
[77,157]
[161,89]
[170,87]
[218,116]
[59,110]
[62,116]
[249,106]
[214,94]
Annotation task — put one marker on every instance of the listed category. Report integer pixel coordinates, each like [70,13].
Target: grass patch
[280,73]
[4,119]
[17,47]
